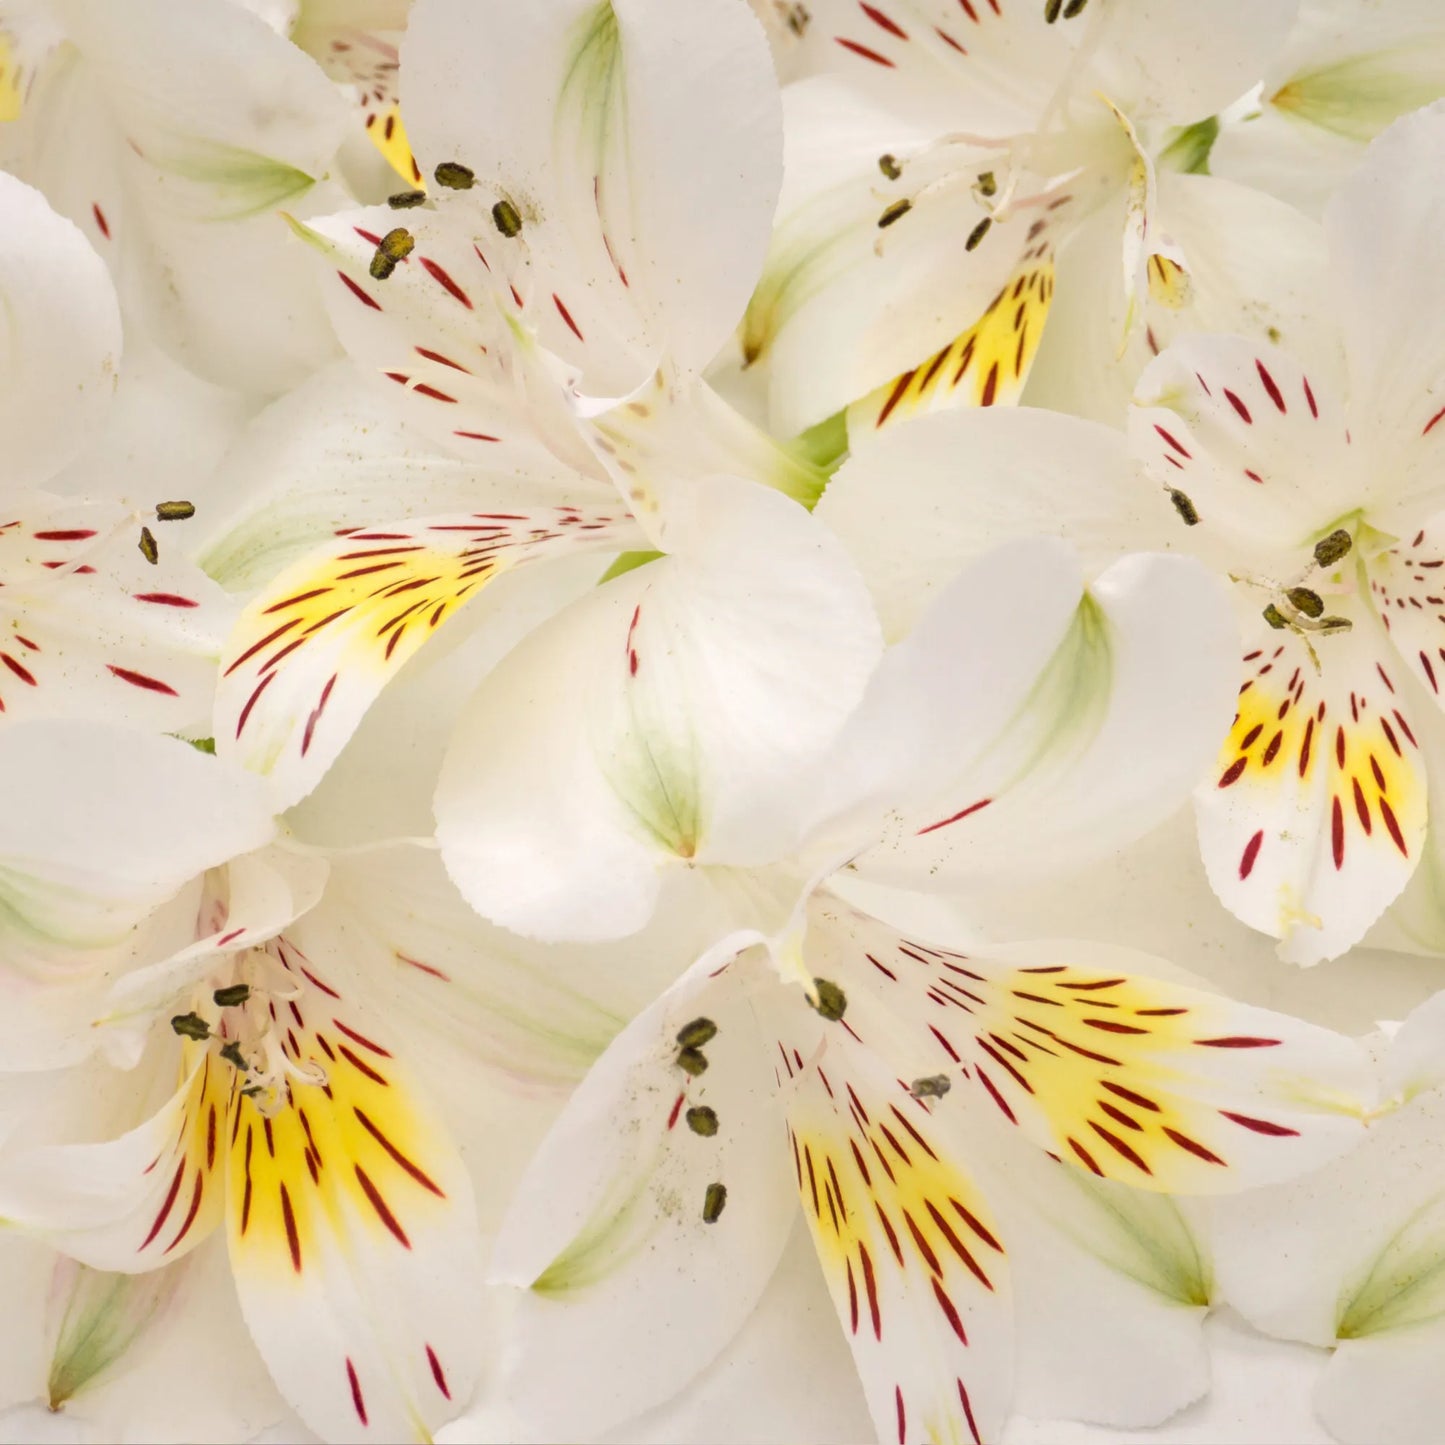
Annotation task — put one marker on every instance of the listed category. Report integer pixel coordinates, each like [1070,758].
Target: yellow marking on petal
[1169,282]
[349,1154]
[986,365]
[11,95]
[388,135]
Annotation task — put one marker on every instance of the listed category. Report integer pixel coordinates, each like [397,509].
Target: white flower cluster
[885,920]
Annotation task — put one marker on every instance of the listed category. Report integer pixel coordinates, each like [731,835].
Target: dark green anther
[455,176]
[702,1120]
[987,185]
[895,212]
[935,1086]
[692,1061]
[232,1055]
[890,167]
[405,200]
[232,995]
[191,1026]
[1051,10]
[1073,8]
[1333,548]
[395,246]
[250,1091]
[506,219]
[1334,624]
[697,1033]
[977,234]
[1184,507]
[147,545]
[712,1203]
[1303,600]
[1275,617]
[175,511]
[831,1001]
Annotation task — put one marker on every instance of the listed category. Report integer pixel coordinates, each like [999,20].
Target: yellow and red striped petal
[1128,1076]
[913,1258]
[1314,818]
[352,1228]
[312,652]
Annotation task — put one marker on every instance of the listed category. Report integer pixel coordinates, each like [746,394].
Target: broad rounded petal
[607,1229]
[1314,817]
[642,149]
[171,134]
[352,1230]
[1111,1288]
[1352,1257]
[1118,1072]
[103,823]
[1348,70]
[910,1248]
[61,336]
[329,457]
[674,714]
[1251,265]
[1171,62]
[1077,767]
[912,512]
[335,627]
[1384,228]
[95,629]
[1257,444]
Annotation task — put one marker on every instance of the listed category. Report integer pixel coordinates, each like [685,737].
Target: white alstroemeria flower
[265,1088]
[1348,70]
[1319,509]
[982,733]
[89,626]
[940,159]
[527,303]
[1352,1257]
[171,132]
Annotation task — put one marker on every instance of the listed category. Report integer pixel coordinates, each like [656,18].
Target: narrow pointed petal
[1119,1073]
[1314,817]
[1253,438]
[910,1249]
[607,1229]
[95,630]
[352,1232]
[141,1200]
[312,651]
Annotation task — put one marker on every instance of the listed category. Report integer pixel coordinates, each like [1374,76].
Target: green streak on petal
[1188,150]
[628,562]
[1141,1235]
[825,445]
[1405,1285]
[232,183]
[103,1316]
[1359,97]
[590,101]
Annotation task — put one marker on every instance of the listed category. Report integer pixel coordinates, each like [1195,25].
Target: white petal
[336,626]
[61,337]
[671,715]
[1383,227]
[104,824]
[642,149]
